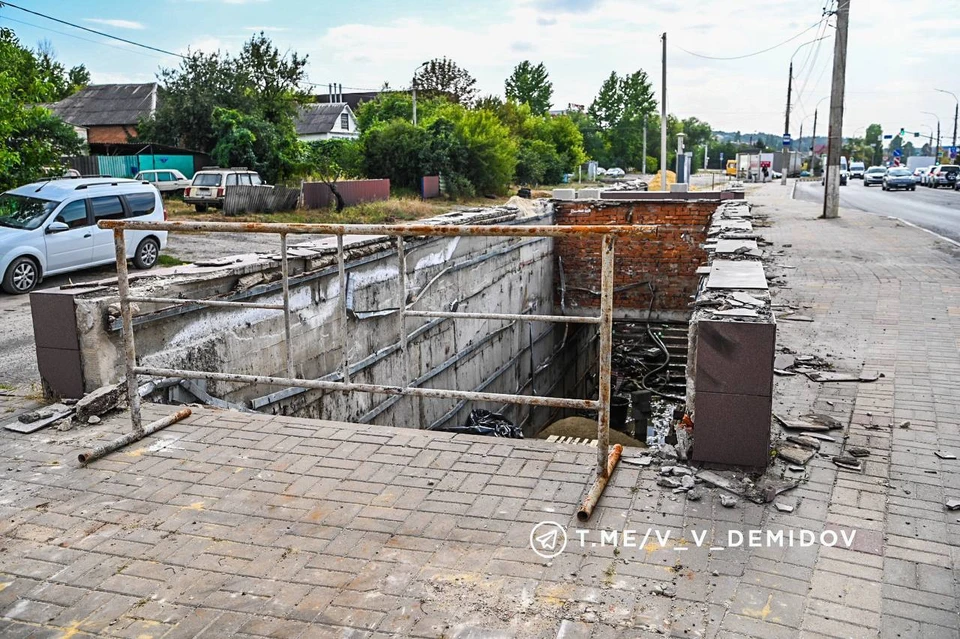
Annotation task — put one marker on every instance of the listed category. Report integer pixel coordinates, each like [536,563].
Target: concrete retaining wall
[468,273]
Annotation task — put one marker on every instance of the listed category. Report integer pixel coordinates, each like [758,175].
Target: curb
[933,233]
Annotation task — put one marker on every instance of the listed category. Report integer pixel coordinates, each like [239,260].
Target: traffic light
[902,132]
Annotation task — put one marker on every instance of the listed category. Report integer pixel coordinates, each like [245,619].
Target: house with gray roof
[109,112]
[326,122]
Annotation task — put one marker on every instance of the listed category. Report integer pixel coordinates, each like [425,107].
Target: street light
[937,154]
[786,124]
[420,66]
[956,112]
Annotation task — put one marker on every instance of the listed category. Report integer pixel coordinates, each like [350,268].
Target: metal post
[402,321]
[285,274]
[344,340]
[414,101]
[129,348]
[606,346]
[813,147]
[644,144]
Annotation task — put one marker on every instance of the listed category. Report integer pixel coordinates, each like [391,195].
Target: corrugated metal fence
[430,186]
[259,199]
[317,195]
[127,166]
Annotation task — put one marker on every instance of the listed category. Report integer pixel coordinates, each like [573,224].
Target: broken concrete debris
[942,454]
[35,420]
[782,507]
[794,454]
[100,401]
[858,451]
[953,504]
[667,482]
[643,461]
[727,501]
[848,462]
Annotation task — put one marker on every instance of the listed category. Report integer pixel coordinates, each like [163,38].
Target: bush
[538,163]
[396,150]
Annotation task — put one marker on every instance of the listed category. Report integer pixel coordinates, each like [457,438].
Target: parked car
[899,177]
[209,186]
[843,178]
[874,175]
[601,170]
[165,180]
[944,175]
[615,172]
[857,170]
[50,227]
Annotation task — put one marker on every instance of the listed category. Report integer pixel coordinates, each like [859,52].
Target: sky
[896,53]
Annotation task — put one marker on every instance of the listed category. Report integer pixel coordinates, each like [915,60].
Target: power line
[756,53]
[70,35]
[99,33]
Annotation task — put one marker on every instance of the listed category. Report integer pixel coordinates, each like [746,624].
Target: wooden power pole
[786,131]
[831,198]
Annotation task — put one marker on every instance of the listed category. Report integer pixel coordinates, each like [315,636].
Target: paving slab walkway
[240,525]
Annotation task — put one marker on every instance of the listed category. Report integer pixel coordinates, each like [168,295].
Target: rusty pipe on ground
[118,443]
[590,501]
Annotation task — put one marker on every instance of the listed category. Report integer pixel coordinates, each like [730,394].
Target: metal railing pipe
[606,346]
[129,348]
[569,319]
[432,393]
[406,230]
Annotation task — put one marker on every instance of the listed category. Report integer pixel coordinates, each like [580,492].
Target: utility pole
[800,144]
[663,118]
[831,199]
[706,154]
[813,147]
[956,112]
[786,131]
[937,154]
[644,143]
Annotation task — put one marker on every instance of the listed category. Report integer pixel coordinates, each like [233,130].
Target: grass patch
[169,260]
[396,209]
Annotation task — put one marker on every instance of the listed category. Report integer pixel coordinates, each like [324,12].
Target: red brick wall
[110,134]
[669,260]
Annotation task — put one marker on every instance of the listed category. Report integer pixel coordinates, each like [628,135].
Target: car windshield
[875,169]
[22,212]
[206,179]
[899,172]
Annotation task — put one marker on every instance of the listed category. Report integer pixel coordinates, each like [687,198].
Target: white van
[50,227]
[857,169]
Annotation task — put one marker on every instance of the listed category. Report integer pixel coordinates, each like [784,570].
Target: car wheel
[148,252]
[913,188]
[201,208]
[21,277]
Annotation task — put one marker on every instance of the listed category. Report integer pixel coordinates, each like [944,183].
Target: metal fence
[317,195]
[430,186]
[242,199]
[606,459]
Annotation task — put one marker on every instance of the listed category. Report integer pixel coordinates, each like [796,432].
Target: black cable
[756,53]
[99,33]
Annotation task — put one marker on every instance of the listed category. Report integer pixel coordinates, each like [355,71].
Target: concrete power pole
[644,144]
[786,132]
[663,119]
[831,199]
[813,147]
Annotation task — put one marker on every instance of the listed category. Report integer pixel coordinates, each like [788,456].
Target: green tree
[607,107]
[895,144]
[530,85]
[619,109]
[490,150]
[332,160]
[32,139]
[395,150]
[445,77]
[538,163]
[53,73]
[562,133]
[259,82]
[393,105]
[874,137]
[251,141]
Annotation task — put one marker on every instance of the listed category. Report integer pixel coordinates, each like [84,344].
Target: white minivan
[50,227]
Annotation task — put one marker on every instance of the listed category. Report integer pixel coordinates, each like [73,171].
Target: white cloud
[119,24]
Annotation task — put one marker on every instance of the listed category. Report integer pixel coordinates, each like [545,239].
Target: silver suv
[50,227]
[209,187]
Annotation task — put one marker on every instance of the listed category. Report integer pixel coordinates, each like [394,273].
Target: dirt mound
[583,428]
[655,184]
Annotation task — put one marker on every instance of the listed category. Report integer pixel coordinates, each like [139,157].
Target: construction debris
[842,377]
[484,422]
[945,455]
[848,462]
[727,501]
[858,451]
[643,461]
[794,454]
[35,420]
[101,401]
[784,508]
[953,504]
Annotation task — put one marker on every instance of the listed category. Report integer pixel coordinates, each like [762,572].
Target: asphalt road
[937,210]
[18,355]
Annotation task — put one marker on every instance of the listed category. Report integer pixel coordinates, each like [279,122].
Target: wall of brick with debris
[668,262]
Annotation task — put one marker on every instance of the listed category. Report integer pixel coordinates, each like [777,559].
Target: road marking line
[934,233]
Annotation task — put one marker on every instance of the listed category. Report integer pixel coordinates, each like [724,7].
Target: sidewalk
[231,524]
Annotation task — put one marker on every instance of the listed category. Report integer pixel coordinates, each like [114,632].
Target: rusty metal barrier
[607,233]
